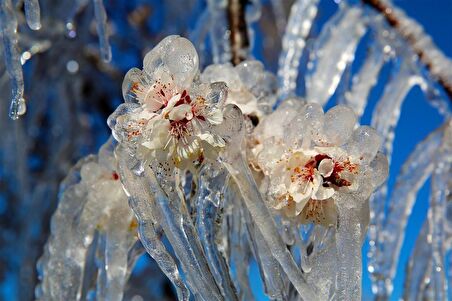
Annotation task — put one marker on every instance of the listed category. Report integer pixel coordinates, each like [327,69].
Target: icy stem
[333,50]
[240,172]
[384,119]
[415,171]
[299,25]
[438,204]
[418,271]
[212,182]
[8,23]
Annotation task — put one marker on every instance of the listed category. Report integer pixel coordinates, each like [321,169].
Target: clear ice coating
[306,167]
[217,171]
[8,23]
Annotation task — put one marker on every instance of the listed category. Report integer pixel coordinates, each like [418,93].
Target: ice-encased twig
[384,119]
[212,182]
[8,23]
[238,245]
[33,14]
[415,171]
[59,279]
[102,30]
[364,80]
[439,195]
[140,201]
[232,131]
[348,244]
[418,271]
[270,269]
[302,14]
[333,50]
[89,208]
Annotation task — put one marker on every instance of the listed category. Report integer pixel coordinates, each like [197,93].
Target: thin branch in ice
[333,50]
[240,42]
[299,25]
[102,31]
[438,203]
[8,23]
[429,54]
[415,172]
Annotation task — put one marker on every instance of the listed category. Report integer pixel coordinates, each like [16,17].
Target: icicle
[270,269]
[413,175]
[169,210]
[33,14]
[439,194]
[299,25]
[212,182]
[418,271]
[363,82]
[8,24]
[332,51]
[238,243]
[102,30]
[232,130]
[116,251]
[148,236]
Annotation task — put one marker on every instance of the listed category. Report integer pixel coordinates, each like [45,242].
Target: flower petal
[323,193]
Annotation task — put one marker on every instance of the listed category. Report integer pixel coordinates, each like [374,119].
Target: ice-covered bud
[168,115]
[251,88]
[312,159]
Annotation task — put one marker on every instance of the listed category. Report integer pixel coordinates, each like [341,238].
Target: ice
[8,23]
[33,14]
[92,213]
[440,195]
[298,27]
[337,43]
[102,30]
[415,171]
[418,271]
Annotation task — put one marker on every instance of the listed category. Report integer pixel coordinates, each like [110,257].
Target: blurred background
[71,92]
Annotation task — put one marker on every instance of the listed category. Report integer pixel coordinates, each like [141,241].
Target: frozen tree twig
[429,55]
[239,34]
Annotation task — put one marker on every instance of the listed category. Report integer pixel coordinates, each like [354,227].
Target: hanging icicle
[102,30]
[8,23]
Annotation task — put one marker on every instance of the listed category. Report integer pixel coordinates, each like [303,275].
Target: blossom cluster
[169,113]
[309,158]
[304,158]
